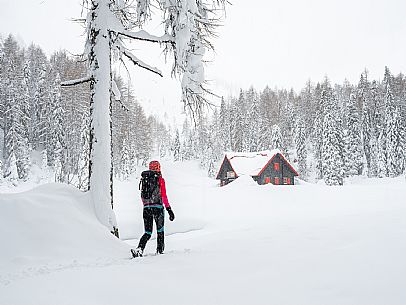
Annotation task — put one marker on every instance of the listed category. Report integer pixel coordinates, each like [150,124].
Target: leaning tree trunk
[100,165]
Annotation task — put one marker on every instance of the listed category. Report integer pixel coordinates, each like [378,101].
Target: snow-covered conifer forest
[330,131]
[40,118]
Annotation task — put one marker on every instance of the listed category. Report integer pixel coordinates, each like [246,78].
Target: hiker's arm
[163,193]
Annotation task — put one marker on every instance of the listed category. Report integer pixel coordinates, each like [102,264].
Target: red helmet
[155,166]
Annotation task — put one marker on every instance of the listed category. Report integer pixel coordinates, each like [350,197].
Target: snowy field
[239,244]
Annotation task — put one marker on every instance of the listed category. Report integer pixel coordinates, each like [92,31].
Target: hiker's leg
[159,220]
[148,223]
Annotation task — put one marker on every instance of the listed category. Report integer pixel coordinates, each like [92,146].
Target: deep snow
[239,244]
[54,223]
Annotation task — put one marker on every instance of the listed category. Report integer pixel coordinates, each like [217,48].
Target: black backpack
[149,186]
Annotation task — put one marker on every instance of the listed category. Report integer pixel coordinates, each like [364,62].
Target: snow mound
[242,181]
[52,222]
[250,163]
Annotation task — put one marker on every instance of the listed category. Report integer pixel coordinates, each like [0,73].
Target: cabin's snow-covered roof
[250,163]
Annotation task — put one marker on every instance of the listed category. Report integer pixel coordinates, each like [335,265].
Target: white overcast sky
[263,42]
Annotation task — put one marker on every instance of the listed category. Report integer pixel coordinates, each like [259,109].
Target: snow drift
[53,221]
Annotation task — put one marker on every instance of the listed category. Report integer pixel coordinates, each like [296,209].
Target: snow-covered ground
[239,244]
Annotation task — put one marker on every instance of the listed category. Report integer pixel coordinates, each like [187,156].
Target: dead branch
[75,82]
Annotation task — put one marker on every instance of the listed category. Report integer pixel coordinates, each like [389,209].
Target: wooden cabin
[264,167]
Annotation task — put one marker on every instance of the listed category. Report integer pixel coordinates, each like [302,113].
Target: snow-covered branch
[75,82]
[116,91]
[117,95]
[145,36]
[137,61]
[124,107]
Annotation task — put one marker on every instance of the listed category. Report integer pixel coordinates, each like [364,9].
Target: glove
[170,212]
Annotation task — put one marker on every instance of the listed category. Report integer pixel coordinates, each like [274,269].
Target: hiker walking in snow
[154,199]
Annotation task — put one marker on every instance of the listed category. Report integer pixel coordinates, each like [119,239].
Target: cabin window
[277,180]
[267,180]
[230,174]
[276,166]
[286,180]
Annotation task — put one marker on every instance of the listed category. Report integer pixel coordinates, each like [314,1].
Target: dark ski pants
[150,214]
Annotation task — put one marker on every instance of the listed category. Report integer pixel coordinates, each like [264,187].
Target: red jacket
[163,192]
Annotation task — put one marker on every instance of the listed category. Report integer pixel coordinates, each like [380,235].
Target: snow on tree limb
[78,81]
[137,61]
[117,95]
[116,91]
[123,106]
[145,36]
[192,24]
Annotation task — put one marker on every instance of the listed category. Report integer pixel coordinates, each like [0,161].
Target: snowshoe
[136,252]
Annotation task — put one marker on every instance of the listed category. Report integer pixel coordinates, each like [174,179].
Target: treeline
[329,132]
[38,115]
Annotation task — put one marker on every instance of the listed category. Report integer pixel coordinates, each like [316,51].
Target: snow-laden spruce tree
[266,120]
[15,110]
[188,29]
[126,169]
[395,149]
[394,129]
[55,130]
[224,126]
[301,150]
[353,141]
[322,93]
[373,166]
[239,119]
[378,137]
[188,147]
[287,121]
[176,147]
[37,67]
[332,151]
[254,121]
[276,138]
[381,166]
[83,159]
[12,173]
[214,149]
[364,100]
